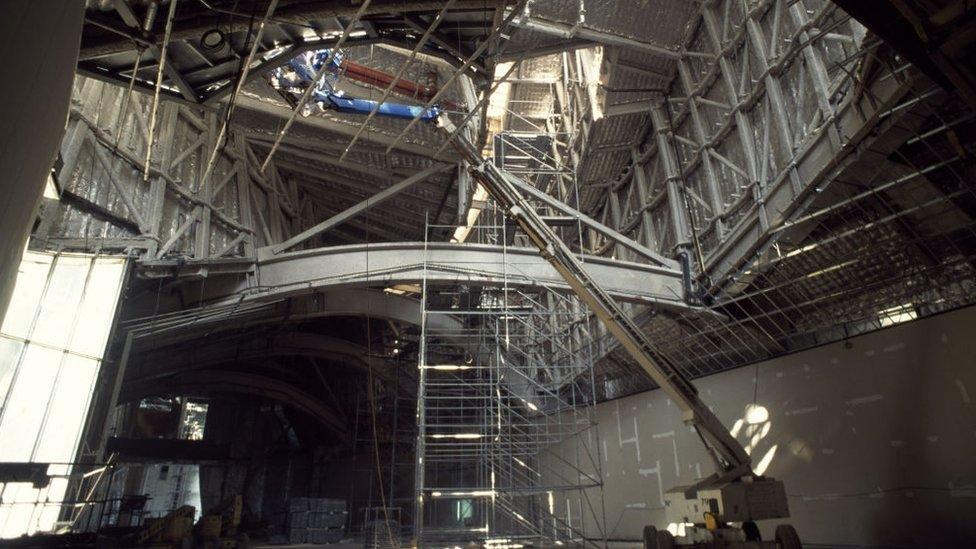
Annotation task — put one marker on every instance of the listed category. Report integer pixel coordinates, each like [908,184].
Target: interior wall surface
[873,436]
[38,69]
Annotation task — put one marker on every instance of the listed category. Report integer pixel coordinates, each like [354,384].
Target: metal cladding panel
[646,61]
[660,22]
[526,40]
[608,152]
[531,100]
[549,66]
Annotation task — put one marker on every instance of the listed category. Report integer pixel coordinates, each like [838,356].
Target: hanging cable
[221,140]
[128,95]
[159,84]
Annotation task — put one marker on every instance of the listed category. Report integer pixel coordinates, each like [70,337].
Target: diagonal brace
[359,208]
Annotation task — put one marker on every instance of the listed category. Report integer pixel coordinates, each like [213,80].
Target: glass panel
[27,294]
[67,410]
[27,403]
[49,515]
[45,384]
[61,301]
[9,357]
[98,308]
[194,420]
[18,503]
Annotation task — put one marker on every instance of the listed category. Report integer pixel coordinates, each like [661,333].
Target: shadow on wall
[751,429]
[874,438]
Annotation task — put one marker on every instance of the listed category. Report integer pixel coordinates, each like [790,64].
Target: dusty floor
[359,544]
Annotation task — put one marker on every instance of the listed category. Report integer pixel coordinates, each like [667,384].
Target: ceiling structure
[112,43]
[745,178]
[809,181]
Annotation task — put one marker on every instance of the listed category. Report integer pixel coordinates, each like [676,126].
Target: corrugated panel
[526,40]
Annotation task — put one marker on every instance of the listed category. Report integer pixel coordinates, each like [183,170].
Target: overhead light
[470,494]
[213,40]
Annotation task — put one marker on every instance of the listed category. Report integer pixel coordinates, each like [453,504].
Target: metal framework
[182,212]
[120,39]
[501,396]
[809,182]
[778,146]
[796,162]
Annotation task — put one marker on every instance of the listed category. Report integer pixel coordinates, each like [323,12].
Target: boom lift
[734,493]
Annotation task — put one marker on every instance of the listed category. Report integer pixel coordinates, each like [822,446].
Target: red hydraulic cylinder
[380,79]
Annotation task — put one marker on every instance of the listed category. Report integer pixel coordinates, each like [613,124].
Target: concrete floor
[358,544]
[340,545]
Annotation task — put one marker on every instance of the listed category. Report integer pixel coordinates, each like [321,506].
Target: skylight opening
[897,315]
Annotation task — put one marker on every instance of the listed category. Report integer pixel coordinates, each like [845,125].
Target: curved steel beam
[160,331]
[217,381]
[390,264]
[166,361]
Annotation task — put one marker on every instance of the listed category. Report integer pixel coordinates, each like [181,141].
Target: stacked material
[316,520]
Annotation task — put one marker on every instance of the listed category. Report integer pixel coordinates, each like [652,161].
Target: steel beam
[624,241]
[680,223]
[361,207]
[816,164]
[130,19]
[390,264]
[567,31]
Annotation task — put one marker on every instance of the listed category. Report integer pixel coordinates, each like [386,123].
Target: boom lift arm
[734,492]
[727,452]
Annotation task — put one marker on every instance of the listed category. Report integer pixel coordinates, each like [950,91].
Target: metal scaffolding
[500,389]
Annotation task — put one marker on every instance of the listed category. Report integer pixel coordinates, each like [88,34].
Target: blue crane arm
[302,73]
[364,106]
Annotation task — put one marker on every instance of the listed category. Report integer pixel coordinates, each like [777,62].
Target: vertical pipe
[679,218]
[418,515]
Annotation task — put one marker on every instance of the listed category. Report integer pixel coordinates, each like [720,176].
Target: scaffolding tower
[501,386]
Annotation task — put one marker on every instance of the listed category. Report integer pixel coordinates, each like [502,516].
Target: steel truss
[814,178]
[820,181]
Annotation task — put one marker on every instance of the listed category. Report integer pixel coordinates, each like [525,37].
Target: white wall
[38,52]
[875,438]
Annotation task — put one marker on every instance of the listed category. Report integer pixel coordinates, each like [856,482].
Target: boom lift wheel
[657,539]
[786,537]
[751,531]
